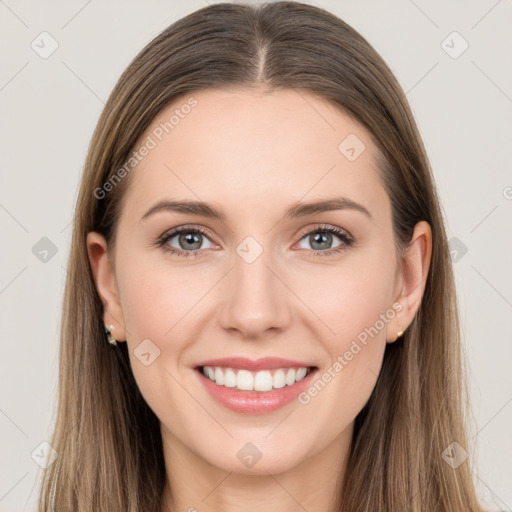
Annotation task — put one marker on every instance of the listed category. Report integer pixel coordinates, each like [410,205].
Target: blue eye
[186,236]
[193,237]
[322,235]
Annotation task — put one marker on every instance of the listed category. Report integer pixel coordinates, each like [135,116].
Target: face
[267,279]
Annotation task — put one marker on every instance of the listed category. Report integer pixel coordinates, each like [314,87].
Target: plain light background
[50,106]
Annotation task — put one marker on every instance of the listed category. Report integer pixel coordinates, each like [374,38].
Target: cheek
[354,350]
[155,296]
[154,309]
[349,299]
[353,308]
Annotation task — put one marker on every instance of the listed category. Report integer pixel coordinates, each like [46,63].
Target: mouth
[254,387]
[260,381]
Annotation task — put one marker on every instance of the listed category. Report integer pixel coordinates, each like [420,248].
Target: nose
[256,299]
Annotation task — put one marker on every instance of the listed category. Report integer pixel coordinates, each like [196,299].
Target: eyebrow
[297,210]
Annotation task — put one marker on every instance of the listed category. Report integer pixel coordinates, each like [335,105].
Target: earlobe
[414,273]
[396,328]
[104,278]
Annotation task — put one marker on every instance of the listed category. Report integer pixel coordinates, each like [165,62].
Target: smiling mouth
[259,381]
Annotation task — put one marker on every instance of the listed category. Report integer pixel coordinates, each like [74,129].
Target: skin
[254,155]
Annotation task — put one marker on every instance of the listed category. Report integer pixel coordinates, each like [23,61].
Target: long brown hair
[107,439]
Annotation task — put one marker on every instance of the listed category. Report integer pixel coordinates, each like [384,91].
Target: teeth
[279,379]
[264,380]
[229,378]
[301,373]
[210,373]
[245,380]
[290,377]
[219,376]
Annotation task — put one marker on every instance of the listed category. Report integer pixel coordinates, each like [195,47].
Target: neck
[195,485]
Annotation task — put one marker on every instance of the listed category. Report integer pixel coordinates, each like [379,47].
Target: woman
[304,351]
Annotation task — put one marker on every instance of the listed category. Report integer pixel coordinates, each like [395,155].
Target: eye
[189,241]
[321,239]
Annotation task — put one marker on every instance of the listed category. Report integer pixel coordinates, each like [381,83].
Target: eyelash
[347,241]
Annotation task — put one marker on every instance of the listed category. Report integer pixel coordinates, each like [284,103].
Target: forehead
[251,149]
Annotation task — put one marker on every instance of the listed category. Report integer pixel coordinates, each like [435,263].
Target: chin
[255,458]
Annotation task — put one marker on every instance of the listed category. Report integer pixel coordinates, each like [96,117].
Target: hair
[107,438]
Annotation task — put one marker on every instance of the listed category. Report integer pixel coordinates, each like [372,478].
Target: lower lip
[255,402]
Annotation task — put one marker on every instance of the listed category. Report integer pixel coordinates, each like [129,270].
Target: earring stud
[111,338]
[399,334]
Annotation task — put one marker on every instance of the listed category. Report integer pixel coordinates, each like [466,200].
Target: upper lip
[266,363]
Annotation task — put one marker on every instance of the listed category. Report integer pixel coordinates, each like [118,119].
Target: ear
[104,277]
[412,278]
